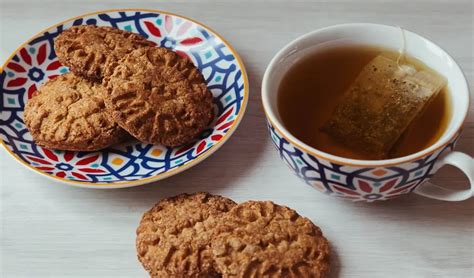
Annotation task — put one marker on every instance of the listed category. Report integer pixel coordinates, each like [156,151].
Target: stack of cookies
[202,235]
[119,83]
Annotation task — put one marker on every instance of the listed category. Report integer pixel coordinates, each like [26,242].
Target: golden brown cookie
[68,113]
[88,49]
[159,97]
[262,239]
[173,237]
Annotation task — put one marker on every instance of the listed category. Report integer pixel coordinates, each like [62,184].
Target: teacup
[370,180]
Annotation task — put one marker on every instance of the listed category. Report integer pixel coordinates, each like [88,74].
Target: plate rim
[169,173]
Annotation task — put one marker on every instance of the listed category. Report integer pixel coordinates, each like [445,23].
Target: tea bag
[380,105]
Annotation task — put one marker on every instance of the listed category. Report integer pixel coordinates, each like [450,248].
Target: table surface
[51,230]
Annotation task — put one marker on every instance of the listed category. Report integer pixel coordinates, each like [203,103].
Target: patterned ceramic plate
[131,163]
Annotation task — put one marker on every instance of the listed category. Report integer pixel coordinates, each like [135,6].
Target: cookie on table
[68,113]
[262,239]
[88,49]
[173,237]
[159,97]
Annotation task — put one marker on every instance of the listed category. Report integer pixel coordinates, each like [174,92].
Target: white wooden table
[51,230]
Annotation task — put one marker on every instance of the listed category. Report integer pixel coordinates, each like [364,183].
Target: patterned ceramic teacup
[369,180]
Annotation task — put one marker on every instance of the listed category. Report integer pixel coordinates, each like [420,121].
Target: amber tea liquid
[311,89]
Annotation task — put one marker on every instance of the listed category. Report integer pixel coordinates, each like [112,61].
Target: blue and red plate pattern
[130,163]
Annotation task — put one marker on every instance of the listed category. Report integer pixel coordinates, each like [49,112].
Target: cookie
[159,97]
[173,237]
[88,49]
[68,113]
[262,239]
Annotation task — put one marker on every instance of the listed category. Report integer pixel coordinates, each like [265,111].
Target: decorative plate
[130,163]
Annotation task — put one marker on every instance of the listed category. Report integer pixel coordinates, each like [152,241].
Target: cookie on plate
[159,97]
[88,49]
[68,113]
[262,239]
[173,237]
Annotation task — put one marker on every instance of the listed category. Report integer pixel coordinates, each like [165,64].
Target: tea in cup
[355,119]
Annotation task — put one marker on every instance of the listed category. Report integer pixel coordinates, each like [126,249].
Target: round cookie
[159,97]
[68,113]
[173,237]
[88,49]
[262,239]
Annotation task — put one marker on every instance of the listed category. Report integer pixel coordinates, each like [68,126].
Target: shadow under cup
[369,180]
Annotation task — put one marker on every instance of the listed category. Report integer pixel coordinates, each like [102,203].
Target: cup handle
[463,162]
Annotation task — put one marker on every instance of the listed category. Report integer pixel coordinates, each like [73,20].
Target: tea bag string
[402,49]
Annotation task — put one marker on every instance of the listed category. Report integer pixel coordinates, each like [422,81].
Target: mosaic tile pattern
[36,62]
[352,182]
